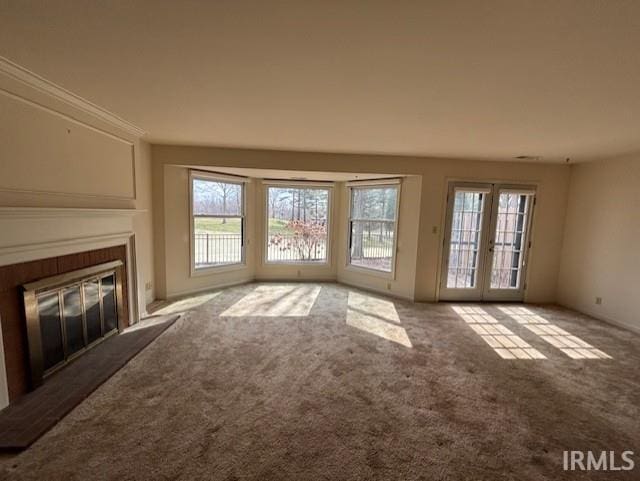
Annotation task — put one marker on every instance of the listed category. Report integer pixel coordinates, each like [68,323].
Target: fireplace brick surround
[14,330]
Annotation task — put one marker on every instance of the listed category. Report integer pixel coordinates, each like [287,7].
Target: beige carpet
[344,384]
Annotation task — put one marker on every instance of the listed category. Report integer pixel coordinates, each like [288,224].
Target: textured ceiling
[486,80]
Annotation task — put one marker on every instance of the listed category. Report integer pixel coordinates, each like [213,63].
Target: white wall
[47,151]
[424,209]
[143,225]
[600,255]
[59,151]
[551,181]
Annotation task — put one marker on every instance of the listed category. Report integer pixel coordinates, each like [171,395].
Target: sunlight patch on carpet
[571,345]
[376,316]
[183,305]
[383,309]
[276,301]
[502,340]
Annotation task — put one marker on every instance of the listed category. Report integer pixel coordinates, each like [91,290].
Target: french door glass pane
[466,234]
[511,224]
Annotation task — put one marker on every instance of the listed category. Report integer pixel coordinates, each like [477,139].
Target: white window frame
[296,185]
[351,186]
[214,177]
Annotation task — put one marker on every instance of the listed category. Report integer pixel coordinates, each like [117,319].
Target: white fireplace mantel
[32,233]
[28,233]
[44,212]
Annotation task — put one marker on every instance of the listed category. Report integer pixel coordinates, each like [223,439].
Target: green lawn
[232,226]
[216,226]
[278,226]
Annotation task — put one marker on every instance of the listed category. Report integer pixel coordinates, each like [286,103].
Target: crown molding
[21,74]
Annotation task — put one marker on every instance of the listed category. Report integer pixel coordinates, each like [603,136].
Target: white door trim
[464,294]
[482,290]
[517,294]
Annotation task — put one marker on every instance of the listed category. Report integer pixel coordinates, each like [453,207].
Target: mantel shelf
[43,212]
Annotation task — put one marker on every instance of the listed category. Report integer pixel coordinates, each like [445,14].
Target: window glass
[373,227]
[218,222]
[297,224]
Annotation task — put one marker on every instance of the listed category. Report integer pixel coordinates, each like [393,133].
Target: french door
[486,242]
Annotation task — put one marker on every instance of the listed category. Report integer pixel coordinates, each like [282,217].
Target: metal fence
[291,248]
[216,249]
[212,249]
[372,250]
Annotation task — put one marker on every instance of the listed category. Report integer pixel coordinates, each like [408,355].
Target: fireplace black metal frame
[44,286]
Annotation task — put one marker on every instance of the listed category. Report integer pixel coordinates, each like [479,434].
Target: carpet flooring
[24,421]
[324,382]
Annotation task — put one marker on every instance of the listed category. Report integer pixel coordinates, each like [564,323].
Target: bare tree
[226,191]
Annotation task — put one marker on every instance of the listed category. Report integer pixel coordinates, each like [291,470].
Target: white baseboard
[177,295]
[295,279]
[383,292]
[600,317]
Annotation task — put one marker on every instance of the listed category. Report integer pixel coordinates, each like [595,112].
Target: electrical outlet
[299,273]
[388,286]
[598,300]
[148,286]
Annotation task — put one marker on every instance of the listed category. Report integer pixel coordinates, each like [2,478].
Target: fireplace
[68,314]
[41,243]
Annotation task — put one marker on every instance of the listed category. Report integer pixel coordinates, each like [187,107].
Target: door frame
[509,295]
[464,294]
[483,292]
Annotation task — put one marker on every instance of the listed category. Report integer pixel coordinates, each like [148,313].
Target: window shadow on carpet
[502,340]
[571,345]
[376,316]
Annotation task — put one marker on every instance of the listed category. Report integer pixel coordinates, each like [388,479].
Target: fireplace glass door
[74,317]
[50,329]
[93,316]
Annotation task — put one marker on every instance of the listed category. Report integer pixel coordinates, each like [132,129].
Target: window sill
[207,271]
[370,272]
[296,263]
